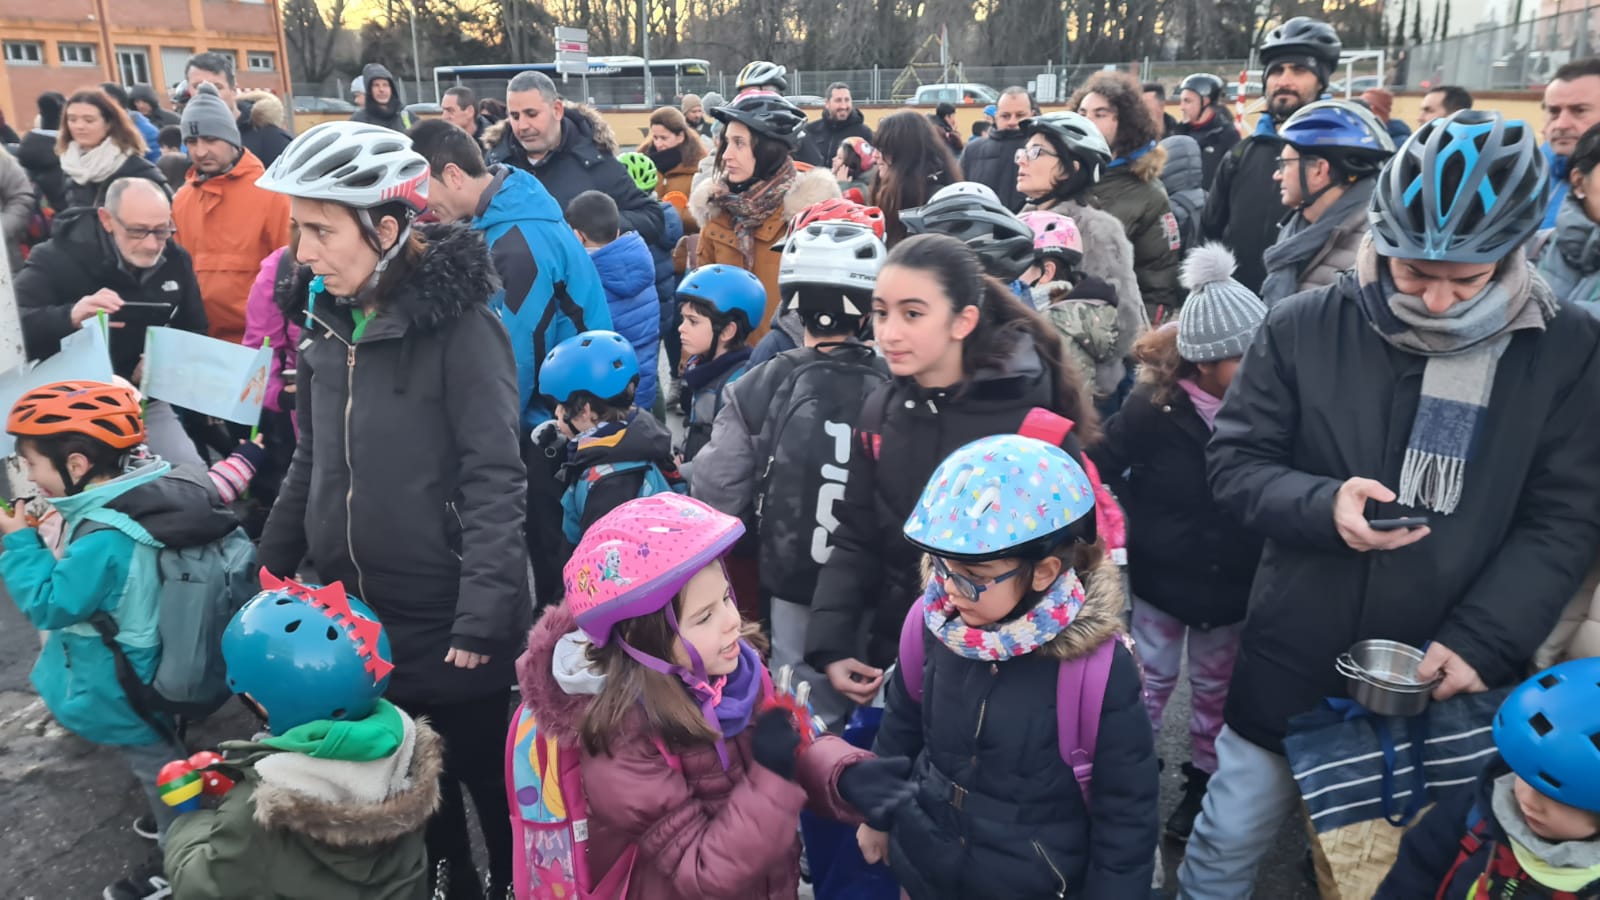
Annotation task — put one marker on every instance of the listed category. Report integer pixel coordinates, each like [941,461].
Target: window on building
[261,61]
[25,53]
[133,64]
[77,54]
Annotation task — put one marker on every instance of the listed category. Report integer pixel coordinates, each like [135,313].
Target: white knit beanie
[1221,315]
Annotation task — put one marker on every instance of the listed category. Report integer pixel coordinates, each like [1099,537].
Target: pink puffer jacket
[703,832]
[263,320]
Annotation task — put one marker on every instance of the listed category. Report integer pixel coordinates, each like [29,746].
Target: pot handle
[1346,666]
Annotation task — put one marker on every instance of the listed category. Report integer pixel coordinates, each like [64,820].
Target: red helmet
[839,209]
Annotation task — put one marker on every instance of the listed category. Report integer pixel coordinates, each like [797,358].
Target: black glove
[877,787]
[775,742]
[252,453]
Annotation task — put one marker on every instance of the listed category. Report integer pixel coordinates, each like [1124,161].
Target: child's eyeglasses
[966,585]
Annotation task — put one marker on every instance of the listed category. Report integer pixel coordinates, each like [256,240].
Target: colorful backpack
[1080,694]
[576,498]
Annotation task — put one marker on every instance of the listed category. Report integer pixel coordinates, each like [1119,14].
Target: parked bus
[611,80]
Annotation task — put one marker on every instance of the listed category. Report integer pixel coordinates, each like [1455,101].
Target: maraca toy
[179,785]
[796,701]
[213,782]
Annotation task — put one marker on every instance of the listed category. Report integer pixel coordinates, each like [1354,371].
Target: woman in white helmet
[407,484]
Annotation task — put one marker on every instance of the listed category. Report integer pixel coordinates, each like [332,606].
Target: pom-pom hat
[1221,315]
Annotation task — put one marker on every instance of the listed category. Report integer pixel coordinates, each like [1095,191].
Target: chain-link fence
[1511,57]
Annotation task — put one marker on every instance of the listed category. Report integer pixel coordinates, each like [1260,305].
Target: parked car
[424,109]
[325,105]
[1358,86]
[806,100]
[969,94]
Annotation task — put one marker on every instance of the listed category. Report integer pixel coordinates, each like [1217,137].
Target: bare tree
[312,34]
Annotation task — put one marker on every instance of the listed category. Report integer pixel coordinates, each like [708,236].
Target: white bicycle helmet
[762,74]
[352,164]
[828,270]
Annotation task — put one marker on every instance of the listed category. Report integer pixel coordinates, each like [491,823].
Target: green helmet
[642,169]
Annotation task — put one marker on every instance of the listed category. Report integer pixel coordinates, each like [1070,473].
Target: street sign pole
[572,55]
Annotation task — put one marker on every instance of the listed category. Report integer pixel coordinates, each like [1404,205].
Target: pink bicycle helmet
[1054,235]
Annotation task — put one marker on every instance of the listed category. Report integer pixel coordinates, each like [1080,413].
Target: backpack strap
[911,651]
[1080,697]
[870,426]
[1471,843]
[1044,425]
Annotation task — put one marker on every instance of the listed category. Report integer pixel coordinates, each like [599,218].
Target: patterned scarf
[1463,348]
[752,207]
[1003,640]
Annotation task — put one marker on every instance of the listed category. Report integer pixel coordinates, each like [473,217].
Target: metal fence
[1511,57]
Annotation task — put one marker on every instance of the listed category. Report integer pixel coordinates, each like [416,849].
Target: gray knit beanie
[207,116]
[711,100]
[1221,315]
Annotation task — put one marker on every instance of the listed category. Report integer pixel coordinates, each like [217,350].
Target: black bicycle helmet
[1208,86]
[1303,40]
[766,114]
[971,213]
[1469,188]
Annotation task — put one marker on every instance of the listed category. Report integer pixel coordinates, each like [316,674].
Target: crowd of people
[771,430]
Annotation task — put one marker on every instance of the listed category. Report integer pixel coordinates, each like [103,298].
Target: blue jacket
[629,277]
[150,133]
[542,301]
[108,569]
[1558,185]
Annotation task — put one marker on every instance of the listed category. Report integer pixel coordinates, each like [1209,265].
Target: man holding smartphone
[1417,442]
[120,260]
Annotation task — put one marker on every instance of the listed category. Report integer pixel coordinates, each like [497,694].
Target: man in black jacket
[570,150]
[102,260]
[992,161]
[840,119]
[1207,121]
[266,141]
[1440,380]
[1243,208]
[382,105]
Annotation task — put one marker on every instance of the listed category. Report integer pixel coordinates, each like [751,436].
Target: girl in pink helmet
[648,668]
[1082,308]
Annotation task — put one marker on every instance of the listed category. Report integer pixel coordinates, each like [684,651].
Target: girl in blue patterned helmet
[1017,632]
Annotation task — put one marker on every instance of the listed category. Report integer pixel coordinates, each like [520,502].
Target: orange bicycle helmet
[105,412]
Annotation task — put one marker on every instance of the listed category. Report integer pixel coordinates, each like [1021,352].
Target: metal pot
[1382,676]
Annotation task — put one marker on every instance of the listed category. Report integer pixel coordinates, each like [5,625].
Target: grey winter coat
[16,207]
[1183,177]
[1570,258]
[408,483]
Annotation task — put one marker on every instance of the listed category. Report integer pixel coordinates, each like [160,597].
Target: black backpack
[805,430]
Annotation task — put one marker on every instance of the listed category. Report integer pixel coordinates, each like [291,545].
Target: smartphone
[140,313]
[289,375]
[1398,524]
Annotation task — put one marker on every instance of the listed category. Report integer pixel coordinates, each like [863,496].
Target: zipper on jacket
[350,492]
[1039,848]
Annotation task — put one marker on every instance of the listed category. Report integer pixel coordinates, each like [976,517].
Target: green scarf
[377,736]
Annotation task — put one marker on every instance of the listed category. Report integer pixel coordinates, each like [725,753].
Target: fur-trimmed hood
[580,123]
[1099,620]
[453,275]
[1146,167]
[811,186]
[264,109]
[352,804]
[559,713]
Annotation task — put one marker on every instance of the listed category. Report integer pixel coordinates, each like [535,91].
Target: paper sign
[83,357]
[209,376]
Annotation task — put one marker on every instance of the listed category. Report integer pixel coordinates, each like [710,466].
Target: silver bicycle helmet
[761,74]
[971,213]
[351,164]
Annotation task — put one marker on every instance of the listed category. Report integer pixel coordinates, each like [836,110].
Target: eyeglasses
[139,233]
[966,585]
[1285,161]
[1031,153]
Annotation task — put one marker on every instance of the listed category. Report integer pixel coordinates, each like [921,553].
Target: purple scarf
[1204,404]
[737,694]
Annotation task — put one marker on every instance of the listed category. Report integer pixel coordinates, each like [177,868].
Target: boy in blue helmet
[613,454]
[333,804]
[720,306]
[1531,826]
[1022,614]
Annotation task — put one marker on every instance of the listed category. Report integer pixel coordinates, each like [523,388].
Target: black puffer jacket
[1321,398]
[1216,137]
[586,160]
[1243,206]
[80,259]
[1186,556]
[37,153]
[1021,830]
[825,135]
[407,484]
[871,577]
[992,161]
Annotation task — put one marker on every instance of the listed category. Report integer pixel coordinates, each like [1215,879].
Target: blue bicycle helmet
[1469,188]
[1345,134]
[1000,497]
[307,653]
[600,362]
[1548,732]
[729,290]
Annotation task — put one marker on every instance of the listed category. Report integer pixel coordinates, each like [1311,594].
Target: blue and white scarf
[1463,347]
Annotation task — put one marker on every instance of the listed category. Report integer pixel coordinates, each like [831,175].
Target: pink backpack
[1080,694]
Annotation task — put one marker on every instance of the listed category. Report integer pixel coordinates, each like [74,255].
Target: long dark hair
[669,118]
[913,162]
[770,155]
[1003,322]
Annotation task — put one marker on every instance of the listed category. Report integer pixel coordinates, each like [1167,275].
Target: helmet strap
[370,229]
[1308,196]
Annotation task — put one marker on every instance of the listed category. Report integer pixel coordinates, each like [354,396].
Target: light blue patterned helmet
[999,497]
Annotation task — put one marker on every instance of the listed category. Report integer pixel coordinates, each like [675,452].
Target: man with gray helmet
[1442,382]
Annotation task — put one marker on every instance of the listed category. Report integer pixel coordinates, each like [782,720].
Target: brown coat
[680,178]
[718,244]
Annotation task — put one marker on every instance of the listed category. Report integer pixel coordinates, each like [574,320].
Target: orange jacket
[229,226]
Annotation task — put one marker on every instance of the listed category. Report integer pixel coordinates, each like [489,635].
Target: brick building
[62,45]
